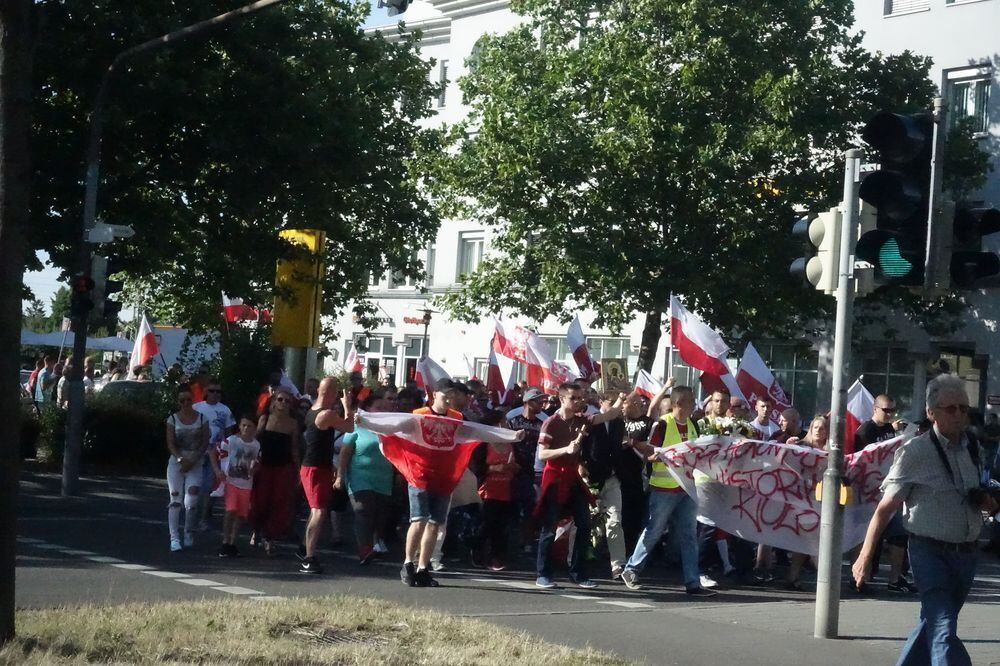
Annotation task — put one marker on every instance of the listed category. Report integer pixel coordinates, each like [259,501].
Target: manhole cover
[339,637]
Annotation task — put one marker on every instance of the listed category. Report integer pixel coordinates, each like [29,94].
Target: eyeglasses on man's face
[955,409]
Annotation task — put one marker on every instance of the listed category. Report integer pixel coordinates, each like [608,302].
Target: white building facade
[450,29]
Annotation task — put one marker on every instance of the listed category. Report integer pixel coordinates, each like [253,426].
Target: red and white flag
[860,408]
[527,347]
[430,451]
[353,362]
[470,367]
[145,347]
[428,374]
[236,310]
[757,381]
[500,379]
[587,367]
[700,346]
[647,386]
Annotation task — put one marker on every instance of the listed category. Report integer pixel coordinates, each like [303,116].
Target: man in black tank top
[316,473]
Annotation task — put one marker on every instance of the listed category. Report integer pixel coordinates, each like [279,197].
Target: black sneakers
[700,592]
[310,565]
[228,550]
[423,578]
[902,585]
[408,574]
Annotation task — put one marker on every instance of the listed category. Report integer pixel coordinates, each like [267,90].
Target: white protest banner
[765,492]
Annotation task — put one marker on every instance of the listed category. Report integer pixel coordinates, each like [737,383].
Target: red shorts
[238,501]
[317,482]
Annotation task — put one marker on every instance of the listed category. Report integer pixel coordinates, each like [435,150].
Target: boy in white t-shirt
[242,451]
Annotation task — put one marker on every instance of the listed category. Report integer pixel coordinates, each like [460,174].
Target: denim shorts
[428,507]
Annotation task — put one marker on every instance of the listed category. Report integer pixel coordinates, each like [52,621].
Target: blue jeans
[552,511]
[678,511]
[944,579]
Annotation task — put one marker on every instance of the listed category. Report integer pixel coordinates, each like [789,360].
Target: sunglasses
[280,400]
[954,409]
[888,410]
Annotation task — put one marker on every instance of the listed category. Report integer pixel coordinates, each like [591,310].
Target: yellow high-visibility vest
[661,477]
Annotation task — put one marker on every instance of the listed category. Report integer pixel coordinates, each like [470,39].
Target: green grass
[244,631]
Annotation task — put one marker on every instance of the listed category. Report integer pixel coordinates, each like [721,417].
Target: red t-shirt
[496,485]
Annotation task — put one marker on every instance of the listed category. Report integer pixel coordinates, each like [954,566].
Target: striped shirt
[934,500]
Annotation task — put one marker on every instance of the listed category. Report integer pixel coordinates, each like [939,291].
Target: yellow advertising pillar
[298,299]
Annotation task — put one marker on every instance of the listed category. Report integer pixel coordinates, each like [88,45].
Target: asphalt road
[110,546]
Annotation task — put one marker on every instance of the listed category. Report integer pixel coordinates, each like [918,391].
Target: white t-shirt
[766,431]
[219,417]
[241,457]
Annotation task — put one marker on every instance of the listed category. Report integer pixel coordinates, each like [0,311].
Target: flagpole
[831,528]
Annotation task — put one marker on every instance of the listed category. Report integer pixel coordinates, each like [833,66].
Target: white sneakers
[708,583]
[175,545]
[380,547]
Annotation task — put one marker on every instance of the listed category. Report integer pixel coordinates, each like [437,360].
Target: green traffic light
[891,262]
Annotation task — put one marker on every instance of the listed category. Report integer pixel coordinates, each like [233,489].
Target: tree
[34,318]
[16,44]
[293,118]
[624,151]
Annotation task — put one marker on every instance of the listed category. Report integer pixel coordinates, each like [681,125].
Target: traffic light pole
[74,417]
[831,513]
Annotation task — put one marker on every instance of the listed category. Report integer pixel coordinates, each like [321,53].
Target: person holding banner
[670,506]
[935,480]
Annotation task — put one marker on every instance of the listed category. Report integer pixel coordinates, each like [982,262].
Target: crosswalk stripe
[235,589]
[626,604]
[199,582]
[166,574]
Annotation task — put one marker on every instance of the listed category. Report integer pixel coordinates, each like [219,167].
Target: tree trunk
[650,338]
[15,173]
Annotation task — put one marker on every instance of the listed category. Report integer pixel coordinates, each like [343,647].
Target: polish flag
[860,408]
[428,374]
[430,451]
[757,381]
[470,367]
[587,368]
[353,362]
[527,347]
[145,345]
[500,379]
[235,310]
[646,386]
[700,346]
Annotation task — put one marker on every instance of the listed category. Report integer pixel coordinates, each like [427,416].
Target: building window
[887,370]
[470,252]
[895,7]
[970,99]
[429,265]
[398,279]
[374,279]
[443,82]
[600,347]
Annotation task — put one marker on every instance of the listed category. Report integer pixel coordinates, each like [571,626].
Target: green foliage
[966,164]
[290,118]
[641,149]
[127,431]
[245,360]
[51,434]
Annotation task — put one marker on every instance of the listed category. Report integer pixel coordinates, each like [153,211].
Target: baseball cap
[531,394]
[461,386]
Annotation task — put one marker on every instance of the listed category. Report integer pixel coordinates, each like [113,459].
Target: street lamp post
[74,420]
[427,322]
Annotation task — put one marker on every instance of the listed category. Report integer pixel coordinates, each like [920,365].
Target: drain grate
[331,636]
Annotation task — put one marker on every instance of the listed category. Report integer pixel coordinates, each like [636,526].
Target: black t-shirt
[319,443]
[870,432]
[524,451]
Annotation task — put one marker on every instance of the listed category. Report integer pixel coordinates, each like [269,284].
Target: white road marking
[626,604]
[47,546]
[166,574]
[486,580]
[102,559]
[78,553]
[29,540]
[235,589]
[199,582]
[519,585]
[577,597]
[132,567]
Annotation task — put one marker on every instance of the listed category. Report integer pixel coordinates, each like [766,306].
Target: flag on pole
[527,347]
[700,346]
[236,310]
[145,347]
[353,362]
[500,379]
[587,367]
[860,408]
[470,367]
[430,451]
[428,374]
[756,380]
[646,385]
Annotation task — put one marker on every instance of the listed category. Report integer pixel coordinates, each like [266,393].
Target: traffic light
[102,268]
[900,191]
[395,6]
[81,295]
[969,264]
[822,271]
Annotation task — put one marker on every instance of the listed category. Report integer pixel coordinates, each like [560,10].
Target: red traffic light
[82,284]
